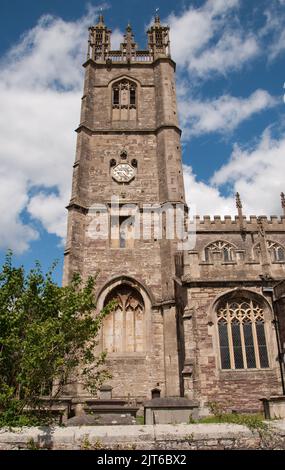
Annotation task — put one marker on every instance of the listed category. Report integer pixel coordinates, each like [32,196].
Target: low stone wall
[147,437]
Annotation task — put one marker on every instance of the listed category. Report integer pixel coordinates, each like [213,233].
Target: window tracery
[242,335]
[226,249]
[124,100]
[123,329]
[275,250]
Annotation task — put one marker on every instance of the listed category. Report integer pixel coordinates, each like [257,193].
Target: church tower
[129,151]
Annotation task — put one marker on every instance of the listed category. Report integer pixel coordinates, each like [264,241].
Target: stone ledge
[183,436]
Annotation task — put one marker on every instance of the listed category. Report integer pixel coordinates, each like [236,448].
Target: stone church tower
[200,323]
[129,146]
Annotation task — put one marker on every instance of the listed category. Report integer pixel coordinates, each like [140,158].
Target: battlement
[237,223]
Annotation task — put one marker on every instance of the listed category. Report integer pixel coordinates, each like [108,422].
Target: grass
[140,419]
[252,421]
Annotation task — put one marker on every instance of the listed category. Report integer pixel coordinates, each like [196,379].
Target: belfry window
[159,39]
[242,335]
[124,100]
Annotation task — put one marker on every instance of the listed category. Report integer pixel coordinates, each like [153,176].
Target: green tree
[47,333]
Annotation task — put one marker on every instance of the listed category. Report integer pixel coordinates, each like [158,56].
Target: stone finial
[238,201]
[128,46]
[157,18]
[101,17]
[240,214]
[283,202]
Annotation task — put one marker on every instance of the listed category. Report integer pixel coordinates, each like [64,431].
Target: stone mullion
[114,331]
[254,334]
[124,342]
[134,329]
[230,338]
[243,345]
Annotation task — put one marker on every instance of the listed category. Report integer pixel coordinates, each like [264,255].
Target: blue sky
[230,76]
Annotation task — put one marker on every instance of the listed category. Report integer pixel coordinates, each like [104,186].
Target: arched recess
[244,337]
[126,330]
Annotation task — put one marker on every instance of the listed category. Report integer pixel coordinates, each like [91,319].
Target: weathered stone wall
[205,281]
[152,138]
[246,265]
[158,437]
[181,352]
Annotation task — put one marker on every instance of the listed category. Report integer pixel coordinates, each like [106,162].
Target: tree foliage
[47,333]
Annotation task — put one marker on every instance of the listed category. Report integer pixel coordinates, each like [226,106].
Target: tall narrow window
[237,346]
[133,96]
[116,96]
[124,100]
[261,344]
[242,335]
[224,344]
[249,344]
[280,253]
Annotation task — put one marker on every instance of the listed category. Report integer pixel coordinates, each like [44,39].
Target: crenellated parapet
[235,249]
[229,223]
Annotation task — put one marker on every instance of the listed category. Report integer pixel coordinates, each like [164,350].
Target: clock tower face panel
[123,173]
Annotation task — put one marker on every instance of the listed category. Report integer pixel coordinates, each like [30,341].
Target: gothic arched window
[277,252]
[124,100]
[124,328]
[242,335]
[226,249]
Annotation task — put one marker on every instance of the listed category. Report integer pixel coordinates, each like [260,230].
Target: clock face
[123,173]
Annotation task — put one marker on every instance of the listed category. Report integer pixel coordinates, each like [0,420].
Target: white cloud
[222,114]
[13,199]
[205,199]
[48,209]
[230,53]
[257,174]
[278,47]
[40,87]
[272,33]
[116,39]
[209,40]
